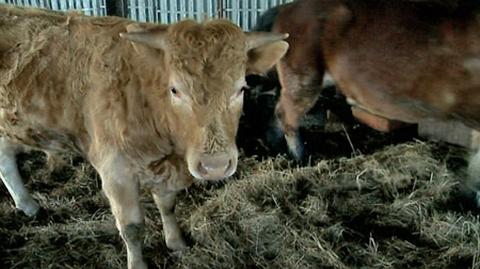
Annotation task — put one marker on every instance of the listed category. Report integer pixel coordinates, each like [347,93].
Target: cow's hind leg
[12,179]
[122,191]
[300,92]
[54,161]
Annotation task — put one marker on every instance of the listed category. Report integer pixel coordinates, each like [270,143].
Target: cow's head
[207,64]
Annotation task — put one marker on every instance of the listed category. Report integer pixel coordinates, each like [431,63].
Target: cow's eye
[175,92]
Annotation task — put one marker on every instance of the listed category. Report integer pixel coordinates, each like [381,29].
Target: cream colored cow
[145,104]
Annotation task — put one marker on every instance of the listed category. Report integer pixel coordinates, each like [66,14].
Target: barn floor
[378,201]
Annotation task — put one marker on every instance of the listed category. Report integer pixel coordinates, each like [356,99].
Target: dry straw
[395,208]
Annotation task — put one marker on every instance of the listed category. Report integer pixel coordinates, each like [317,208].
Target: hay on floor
[393,208]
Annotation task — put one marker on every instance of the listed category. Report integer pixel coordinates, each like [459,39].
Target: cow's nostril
[201,169]
[228,165]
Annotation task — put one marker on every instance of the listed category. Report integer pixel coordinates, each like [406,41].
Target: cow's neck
[146,107]
[155,89]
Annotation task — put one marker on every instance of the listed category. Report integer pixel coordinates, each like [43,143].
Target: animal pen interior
[363,198]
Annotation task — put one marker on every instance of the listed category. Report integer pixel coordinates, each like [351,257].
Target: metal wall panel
[246,12]
[168,11]
[241,12]
[89,7]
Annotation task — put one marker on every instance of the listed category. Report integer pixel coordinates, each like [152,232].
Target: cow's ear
[150,36]
[264,51]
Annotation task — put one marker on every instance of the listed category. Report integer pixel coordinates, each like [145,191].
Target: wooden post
[450,131]
[117,8]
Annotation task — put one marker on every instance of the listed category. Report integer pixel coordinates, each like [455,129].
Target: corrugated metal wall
[89,7]
[242,12]
[167,11]
[245,12]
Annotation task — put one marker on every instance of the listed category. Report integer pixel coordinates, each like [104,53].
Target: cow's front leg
[300,92]
[172,176]
[122,191]
[165,202]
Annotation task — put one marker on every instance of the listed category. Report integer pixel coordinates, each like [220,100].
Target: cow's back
[407,60]
[49,61]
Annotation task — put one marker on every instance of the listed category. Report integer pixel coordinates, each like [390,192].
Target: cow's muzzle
[214,166]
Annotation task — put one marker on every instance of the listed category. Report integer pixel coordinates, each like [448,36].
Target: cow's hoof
[468,197]
[176,244]
[474,199]
[138,265]
[295,147]
[28,207]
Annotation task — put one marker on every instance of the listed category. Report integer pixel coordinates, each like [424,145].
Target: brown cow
[155,107]
[405,59]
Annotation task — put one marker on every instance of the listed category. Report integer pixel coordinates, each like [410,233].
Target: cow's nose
[215,166]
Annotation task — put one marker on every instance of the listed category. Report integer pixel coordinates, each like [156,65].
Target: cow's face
[207,64]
